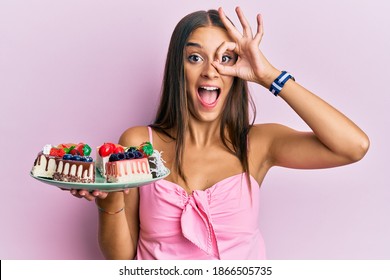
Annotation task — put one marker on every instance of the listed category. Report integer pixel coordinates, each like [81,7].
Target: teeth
[210,88]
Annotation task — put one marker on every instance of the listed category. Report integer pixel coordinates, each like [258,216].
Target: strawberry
[83,149]
[53,152]
[119,149]
[57,152]
[79,147]
[61,152]
[106,149]
[74,152]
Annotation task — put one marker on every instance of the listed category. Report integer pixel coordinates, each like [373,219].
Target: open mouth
[208,95]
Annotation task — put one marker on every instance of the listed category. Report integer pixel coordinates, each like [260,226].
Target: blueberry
[113,157]
[132,149]
[76,158]
[129,155]
[138,154]
[121,156]
[88,159]
[67,157]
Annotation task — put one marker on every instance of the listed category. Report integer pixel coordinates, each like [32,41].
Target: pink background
[75,71]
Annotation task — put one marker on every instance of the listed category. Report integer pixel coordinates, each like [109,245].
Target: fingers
[247,30]
[229,26]
[260,29]
[225,69]
[224,47]
[90,196]
[82,194]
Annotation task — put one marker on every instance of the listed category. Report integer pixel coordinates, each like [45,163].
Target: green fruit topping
[147,148]
[87,150]
[67,150]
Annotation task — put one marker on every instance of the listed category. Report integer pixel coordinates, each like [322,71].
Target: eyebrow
[192,44]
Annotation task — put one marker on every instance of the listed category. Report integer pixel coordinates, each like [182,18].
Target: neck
[203,134]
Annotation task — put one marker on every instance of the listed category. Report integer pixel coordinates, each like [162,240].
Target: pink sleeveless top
[221,222]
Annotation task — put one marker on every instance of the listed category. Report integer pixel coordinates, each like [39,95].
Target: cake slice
[128,170]
[103,154]
[80,169]
[45,163]
[128,164]
[65,162]
[44,166]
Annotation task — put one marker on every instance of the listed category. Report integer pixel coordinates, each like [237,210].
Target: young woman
[207,208]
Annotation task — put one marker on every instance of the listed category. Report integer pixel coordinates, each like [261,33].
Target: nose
[209,71]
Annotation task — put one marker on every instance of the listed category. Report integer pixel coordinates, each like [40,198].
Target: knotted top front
[221,222]
[196,224]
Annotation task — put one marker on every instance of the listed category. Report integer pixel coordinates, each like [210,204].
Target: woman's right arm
[118,233]
[118,221]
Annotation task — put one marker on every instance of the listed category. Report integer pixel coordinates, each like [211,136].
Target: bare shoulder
[134,136]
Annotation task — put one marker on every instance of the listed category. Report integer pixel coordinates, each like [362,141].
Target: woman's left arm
[335,139]
[344,140]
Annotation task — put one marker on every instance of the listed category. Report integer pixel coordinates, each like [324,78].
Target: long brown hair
[173,109]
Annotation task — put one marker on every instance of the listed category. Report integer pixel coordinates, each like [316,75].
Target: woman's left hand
[251,65]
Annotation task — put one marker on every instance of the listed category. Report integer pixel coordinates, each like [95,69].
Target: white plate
[100,184]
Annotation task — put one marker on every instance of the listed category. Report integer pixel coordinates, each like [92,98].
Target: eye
[194,58]
[226,59]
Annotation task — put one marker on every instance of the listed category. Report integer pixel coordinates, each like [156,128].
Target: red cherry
[79,148]
[119,149]
[112,145]
[74,152]
[106,149]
